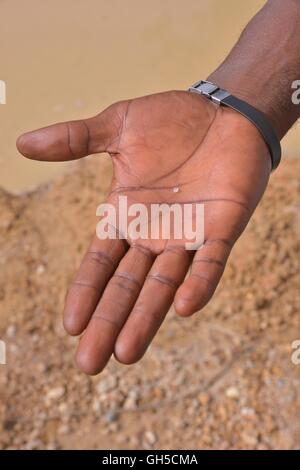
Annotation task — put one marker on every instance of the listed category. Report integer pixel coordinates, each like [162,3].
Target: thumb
[74,139]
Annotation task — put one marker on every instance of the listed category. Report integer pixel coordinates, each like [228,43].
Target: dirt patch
[221,379]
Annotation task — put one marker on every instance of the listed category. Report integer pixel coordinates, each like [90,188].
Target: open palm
[173,147]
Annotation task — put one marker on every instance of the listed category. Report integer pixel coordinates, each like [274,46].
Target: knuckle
[100,257]
[127,278]
[166,280]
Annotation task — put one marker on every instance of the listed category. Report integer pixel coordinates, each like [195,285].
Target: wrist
[251,91]
[262,67]
[222,97]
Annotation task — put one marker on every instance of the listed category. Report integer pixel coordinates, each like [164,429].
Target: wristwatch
[261,122]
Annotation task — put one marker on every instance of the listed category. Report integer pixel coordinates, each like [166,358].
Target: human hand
[177,139]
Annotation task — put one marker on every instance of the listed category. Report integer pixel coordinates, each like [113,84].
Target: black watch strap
[261,122]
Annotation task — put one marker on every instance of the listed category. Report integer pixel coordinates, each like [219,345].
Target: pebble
[96,406]
[55,393]
[131,401]
[63,429]
[249,439]
[113,428]
[232,392]
[40,269]
[41,367]
[63,407]
[245,411]
[203,398]
[11,331]
[106,385]
[150,437]
[111,417]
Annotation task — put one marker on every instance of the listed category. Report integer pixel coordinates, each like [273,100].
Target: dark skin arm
[124,289]
[264,63]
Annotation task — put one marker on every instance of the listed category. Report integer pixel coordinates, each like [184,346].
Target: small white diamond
[176,189]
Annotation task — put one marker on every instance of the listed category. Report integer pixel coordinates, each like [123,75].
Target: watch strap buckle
[210,91]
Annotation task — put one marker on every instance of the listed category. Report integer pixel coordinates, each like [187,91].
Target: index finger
[97,267]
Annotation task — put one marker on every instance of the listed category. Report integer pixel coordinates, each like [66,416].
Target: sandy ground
[221,379]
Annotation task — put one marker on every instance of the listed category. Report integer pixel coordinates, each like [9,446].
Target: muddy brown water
[66,59]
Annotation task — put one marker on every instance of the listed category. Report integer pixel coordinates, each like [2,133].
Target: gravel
[222,379]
